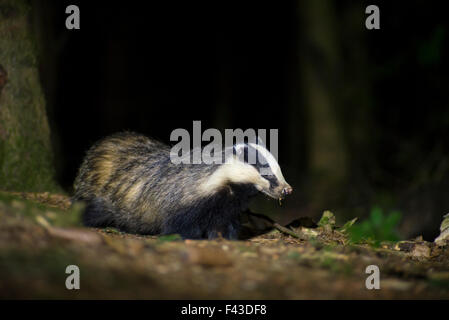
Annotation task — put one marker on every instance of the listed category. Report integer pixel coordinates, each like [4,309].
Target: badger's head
[250,164]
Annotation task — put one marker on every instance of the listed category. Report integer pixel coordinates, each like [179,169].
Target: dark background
[363,115]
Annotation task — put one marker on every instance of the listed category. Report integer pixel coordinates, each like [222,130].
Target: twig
[288,231]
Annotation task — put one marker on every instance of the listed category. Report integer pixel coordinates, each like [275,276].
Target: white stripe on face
[271,162]
[233,171]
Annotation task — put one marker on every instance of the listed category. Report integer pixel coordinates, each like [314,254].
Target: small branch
[288,231]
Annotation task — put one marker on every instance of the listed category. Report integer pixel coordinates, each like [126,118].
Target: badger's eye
[272,179]
[259,166]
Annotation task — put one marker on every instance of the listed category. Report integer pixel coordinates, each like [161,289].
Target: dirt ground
[40,237]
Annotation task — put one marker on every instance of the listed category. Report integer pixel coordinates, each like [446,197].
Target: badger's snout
[282,191]
[286,191]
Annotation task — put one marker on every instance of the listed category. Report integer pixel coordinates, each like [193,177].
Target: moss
[169,238]
[112,230]
[52,261]
[41,213]
[25,149]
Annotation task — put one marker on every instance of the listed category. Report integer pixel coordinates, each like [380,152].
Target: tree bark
[26,159]
[319,78]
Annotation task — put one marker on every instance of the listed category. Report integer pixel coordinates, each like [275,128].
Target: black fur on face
[250,155]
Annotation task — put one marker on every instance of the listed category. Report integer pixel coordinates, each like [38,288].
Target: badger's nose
[287,190]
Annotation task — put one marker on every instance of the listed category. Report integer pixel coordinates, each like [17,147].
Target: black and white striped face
[270,179]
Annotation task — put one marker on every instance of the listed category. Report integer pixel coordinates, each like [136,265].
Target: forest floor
[40,237]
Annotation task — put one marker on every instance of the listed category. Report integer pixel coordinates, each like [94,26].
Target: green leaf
[328,218]
[376,216]
[348,225]
[377,228]
[445,223]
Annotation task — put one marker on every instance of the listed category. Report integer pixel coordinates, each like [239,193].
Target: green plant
[377,228]
[169,238]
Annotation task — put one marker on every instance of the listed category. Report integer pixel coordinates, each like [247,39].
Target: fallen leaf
[421,251]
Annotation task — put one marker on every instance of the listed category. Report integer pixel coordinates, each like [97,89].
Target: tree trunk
[26,160]
[319,78]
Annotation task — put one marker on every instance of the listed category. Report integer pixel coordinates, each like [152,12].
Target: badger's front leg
[229,232]
[186,224]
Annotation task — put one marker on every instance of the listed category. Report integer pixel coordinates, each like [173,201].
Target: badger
[129,182]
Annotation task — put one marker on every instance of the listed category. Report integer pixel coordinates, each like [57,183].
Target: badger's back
[113,177]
